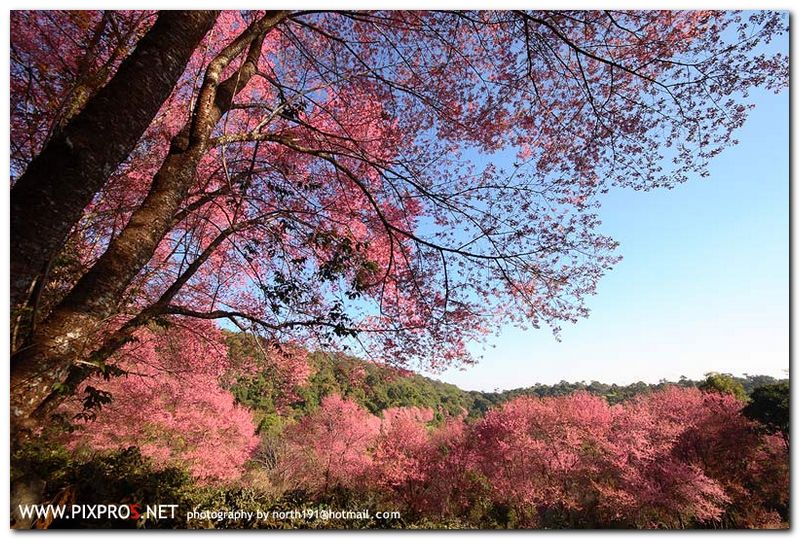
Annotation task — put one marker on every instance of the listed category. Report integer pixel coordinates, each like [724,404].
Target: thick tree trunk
[60,340]
[50,196]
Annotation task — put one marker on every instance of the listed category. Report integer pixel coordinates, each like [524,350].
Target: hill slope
[378,387]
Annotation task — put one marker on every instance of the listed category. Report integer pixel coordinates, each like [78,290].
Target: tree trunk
[50,196]
[61,339]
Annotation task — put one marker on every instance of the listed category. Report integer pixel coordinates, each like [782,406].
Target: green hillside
[377,387]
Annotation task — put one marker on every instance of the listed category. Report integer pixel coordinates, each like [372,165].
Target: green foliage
[373,386]
[378,387]
[724,384]
[126,477]
[769,405]
[113,478]
[93,402]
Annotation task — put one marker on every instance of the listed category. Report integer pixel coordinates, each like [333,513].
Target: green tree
[769,405]
[724,384]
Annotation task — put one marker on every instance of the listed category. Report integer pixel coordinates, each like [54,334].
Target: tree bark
[60,339]
[50,196]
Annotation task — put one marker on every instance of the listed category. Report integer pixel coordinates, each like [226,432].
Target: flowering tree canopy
[673,458]
[403,179]
[169,404]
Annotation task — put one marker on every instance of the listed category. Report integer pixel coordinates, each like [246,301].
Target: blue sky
[703,286]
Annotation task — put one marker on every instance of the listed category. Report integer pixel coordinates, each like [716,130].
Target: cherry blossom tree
[728,448]
[268,371]
[676,458]
[433,476]
[329,448]
[399,180]
[766,502]
[668,486]
[401,453]
[169,403]
[552,453]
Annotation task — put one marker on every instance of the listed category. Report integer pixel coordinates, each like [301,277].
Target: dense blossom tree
[169,403]
[339,175]
[766,505]
[402,451]
[675,458]
[669,484]
[551,454]
[328,448]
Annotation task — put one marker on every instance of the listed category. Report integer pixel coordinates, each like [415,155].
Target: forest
[237,238]
[310,431]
